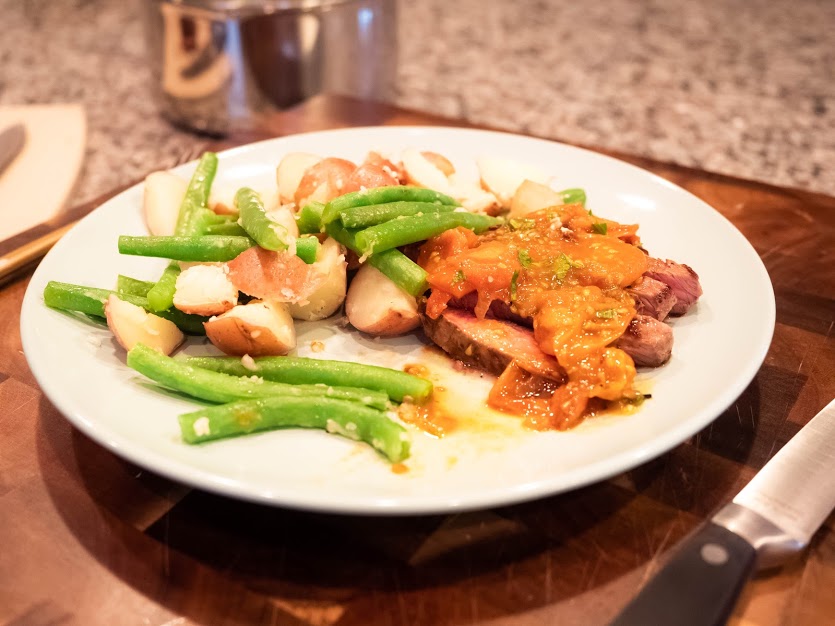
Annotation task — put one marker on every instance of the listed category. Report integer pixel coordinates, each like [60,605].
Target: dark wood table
[87,538]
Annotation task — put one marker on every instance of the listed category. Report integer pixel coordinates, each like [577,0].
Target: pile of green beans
[399,386]
[257,401]
[348,419]
[375,222]
[213,386]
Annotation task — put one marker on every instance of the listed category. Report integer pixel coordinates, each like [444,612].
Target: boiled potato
[131,325]
[375,305]
[331,294]
[259,328]
[164,193]
[532,196]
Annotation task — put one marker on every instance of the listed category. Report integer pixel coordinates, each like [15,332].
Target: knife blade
[12,140]
[771,519]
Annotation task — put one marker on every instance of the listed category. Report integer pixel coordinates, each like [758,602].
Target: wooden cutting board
[88,538]
[36,185]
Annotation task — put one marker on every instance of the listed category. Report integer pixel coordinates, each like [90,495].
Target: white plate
[490,459]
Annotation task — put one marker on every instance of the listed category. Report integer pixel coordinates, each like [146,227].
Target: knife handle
[699,586]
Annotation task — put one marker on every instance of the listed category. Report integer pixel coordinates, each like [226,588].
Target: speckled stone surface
[743,88]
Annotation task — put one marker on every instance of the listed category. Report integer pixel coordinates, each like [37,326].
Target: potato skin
[131,324]
[329,296]
[375,305]
[257,329]
[290,172]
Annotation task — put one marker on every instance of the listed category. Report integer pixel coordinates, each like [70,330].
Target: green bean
[365,216]
[226,228]
[573,196]
[267,233]
[382,195]
[197,195]
[217,387]
[132,286]
[406,230]
[193,219]
[90,301]
[399,268]
[297,370]
[309,219]
[161,295]
[205,248]
[338,417]
[307,249]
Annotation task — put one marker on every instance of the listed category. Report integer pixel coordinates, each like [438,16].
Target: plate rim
[598,471]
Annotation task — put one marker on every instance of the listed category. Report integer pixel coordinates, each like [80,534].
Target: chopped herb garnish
[458,277]
[573,196]
[601,228]
[562,265]
[523,224]
[606,314]
[513,281]
[525,258]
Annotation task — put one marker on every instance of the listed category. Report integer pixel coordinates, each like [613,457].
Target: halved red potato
[422,172]
[161,200]
[330,295]
[369,176]
[257,329]
[205,290]
[439,161]
[502,177]
[278,276]
[375,305]
[472,197]
[532,196]
[290,172]
[131,325]
[390,167]
[323,181]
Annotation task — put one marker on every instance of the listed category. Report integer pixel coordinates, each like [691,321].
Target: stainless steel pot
[219,65]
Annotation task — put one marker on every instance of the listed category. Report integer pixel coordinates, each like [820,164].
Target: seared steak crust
[652,297]
[499,309]
[648,341]
[681,279]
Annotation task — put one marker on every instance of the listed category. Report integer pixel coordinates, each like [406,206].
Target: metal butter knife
[771,519]
[12,140]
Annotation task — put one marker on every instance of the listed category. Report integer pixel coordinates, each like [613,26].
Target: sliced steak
[652,297]
[499,309]
[489,344]
[682,280]
[648,341]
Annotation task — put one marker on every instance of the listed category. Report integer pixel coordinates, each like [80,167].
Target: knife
[771,519]
[12,140]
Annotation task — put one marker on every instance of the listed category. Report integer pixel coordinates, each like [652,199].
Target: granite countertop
[746,89]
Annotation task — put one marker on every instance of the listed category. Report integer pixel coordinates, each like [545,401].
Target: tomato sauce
[567,271]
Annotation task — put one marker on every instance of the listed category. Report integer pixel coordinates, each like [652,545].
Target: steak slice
[652,297]
[499,309]
[648,344]
[490,344]
[648,341]
[682,280]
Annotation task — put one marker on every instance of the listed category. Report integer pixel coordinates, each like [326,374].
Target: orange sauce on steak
[565,269]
